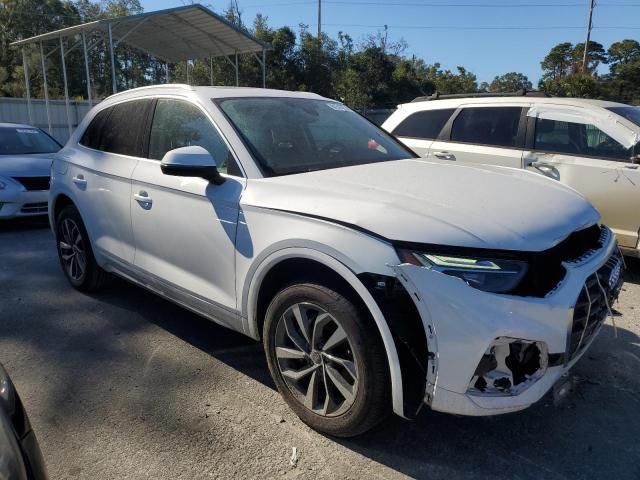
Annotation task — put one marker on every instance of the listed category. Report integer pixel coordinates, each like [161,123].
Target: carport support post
[211,69]
[86,68]
[113,62]
[66,89]
[166,68]
[264,68]
[26,83]
[237,73]
[45,88]
[186,67]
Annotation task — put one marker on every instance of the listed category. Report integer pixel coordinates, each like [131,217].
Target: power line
[457,27]
[437,4]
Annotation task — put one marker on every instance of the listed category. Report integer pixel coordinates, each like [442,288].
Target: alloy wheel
[72,251]
[315,358]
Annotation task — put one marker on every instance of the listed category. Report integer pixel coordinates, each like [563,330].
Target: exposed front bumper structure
[492,354]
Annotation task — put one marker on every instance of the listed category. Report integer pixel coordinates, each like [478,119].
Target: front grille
[34,183]
[40,207]
[593,305]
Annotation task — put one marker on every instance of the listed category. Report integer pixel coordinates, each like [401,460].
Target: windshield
[24,140]
[293,135]
[630,113]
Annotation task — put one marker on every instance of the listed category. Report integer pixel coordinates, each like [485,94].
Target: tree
[624,52]
[595,56]
[447,82]
[557,63]
[510,82]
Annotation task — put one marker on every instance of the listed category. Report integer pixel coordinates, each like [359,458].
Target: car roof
[454,102]
[206,93]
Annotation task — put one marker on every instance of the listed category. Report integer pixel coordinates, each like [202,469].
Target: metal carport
[172,35]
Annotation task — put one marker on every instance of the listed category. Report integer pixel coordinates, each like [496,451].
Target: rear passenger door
[100,170]
[419,129]
[486,134]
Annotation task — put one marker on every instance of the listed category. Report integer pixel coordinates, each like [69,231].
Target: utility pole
[319,24]
[586,44]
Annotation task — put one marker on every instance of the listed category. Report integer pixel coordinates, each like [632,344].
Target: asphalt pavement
[125,385]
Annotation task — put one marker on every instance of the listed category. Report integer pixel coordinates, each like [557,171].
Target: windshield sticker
[338,106]
[26,130]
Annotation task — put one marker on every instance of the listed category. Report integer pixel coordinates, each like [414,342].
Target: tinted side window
[425,124]
[577,139]
[180,124]
[487,126]
[91,136]
[123,131]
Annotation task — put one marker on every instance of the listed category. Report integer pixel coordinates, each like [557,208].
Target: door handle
[143,199]
[542,166]
[79,180]
[444,155]
[547,169]
[632,167]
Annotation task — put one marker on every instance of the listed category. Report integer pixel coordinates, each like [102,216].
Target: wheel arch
[256,285]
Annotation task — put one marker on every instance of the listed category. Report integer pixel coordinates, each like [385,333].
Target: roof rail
[519,93]
[159,86]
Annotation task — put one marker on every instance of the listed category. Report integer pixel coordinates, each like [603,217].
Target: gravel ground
[124,385]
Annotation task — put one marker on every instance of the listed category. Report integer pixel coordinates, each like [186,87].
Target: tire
[327,317]
[75,253]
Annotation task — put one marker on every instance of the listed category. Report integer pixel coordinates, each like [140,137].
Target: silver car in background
[25,170]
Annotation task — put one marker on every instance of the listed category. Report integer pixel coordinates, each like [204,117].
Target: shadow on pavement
[24,224]
[593,433]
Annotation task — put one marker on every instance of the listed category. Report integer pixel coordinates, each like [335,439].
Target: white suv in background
[590,145]
[376,281]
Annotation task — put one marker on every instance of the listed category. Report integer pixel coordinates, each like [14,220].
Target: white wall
[15,110]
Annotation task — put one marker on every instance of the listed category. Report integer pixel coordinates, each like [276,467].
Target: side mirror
[635,159]
[192,161]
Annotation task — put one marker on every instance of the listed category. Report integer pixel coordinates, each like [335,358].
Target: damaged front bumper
[492,353]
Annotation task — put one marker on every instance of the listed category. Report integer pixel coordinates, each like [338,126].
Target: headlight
[488,274]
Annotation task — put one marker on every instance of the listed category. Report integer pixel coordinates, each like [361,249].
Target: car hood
[35,165]
[426,202]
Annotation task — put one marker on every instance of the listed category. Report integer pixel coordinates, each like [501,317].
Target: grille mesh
[593,305]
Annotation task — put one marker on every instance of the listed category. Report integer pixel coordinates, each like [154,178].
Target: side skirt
[205,308]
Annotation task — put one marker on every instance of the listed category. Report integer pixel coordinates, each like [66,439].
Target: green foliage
[510,82]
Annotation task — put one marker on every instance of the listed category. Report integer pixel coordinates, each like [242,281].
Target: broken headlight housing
[488,274]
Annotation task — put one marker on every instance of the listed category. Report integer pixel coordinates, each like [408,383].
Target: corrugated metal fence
[15,110]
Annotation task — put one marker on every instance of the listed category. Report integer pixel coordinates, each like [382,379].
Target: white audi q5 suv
[377,282]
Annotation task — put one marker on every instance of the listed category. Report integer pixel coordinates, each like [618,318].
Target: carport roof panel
[175,34]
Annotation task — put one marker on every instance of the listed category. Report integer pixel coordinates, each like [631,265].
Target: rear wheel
[75,253]
[328,362]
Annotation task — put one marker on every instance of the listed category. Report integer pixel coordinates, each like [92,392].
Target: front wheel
[75,253]
[327,360]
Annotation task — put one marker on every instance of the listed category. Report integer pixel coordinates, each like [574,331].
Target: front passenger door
[185,227]
[587,159]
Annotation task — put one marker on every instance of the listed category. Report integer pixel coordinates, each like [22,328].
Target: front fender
[254,282]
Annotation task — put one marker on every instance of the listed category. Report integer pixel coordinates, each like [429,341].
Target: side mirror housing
[192,161]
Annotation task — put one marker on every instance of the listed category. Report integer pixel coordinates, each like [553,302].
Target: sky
[487,37]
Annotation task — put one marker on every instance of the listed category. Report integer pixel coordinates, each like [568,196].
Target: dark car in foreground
[20,456]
